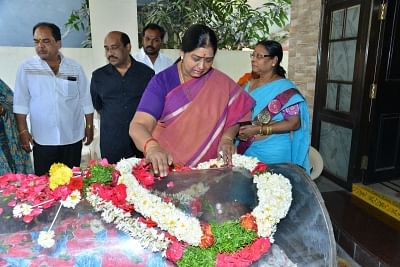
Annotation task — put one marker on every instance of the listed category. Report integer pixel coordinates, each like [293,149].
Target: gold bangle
[261,132]
[269,130]
[89,126]
[21,132]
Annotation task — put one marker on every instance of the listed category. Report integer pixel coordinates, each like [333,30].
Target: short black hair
[154,26]
[55,30]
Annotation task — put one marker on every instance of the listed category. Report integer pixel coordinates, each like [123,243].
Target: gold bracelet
[21,132]
[269,130]
[89,126]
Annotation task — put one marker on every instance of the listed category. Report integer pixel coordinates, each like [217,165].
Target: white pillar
[111,15]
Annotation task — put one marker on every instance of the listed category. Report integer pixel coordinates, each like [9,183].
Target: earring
[181,58]
[273,65]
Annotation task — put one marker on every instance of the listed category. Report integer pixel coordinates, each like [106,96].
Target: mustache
[111,57]
[149,46]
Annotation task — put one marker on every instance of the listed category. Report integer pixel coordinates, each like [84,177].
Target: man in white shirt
[54,91]
[150,54]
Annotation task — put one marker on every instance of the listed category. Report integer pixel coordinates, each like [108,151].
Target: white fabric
[56,104]
[162,61]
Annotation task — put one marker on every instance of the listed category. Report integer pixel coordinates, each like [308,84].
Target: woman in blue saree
[12,157]
[279,131]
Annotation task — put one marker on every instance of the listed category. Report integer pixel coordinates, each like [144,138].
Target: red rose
[142,173]
[148,221]
[61,192]
[260,168]
[76,183]
[119,196]
[175,251]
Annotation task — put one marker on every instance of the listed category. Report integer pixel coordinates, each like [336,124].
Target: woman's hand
[248,131]
[159,158]
[226,149]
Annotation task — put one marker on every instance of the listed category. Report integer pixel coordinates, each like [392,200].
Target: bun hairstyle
[199,35]
[275,49]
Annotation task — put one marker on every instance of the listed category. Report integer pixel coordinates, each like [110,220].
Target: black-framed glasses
[260,56]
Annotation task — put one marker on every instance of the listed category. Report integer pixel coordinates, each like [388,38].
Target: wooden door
[340,88]
[383,144]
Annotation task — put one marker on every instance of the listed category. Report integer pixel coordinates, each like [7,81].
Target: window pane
[345,97]
[353,14]
[331,95]
[334,147]
[337,24]
[341,60]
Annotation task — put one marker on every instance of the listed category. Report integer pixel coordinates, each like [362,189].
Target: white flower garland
[274,199]
[166,215]
[148,237]
[274,194]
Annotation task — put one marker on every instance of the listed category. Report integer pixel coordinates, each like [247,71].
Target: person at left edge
[12,157]
[54,91]
[116,89]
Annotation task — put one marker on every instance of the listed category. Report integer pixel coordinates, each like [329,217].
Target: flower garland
[116,192]
[165,214]
[274,194]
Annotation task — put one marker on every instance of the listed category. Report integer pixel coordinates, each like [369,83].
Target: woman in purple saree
[190,111]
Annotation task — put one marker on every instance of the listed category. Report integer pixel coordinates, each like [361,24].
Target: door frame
[354,119]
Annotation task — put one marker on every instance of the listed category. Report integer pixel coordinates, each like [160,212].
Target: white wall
[120,15]
[106,16]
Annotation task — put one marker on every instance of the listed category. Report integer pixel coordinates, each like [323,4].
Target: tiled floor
[367,235]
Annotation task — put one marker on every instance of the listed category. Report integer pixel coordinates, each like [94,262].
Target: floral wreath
[183,239]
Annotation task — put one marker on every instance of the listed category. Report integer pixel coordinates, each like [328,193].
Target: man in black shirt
[116,89]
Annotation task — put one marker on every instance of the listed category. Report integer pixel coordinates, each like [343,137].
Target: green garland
[98,174]
[229,237]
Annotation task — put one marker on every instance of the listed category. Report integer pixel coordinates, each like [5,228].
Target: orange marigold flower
[244,79]
[248,222]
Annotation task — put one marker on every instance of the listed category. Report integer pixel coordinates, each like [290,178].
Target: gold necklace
[180,72]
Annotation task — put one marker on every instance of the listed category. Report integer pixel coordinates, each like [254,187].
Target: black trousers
[45,156]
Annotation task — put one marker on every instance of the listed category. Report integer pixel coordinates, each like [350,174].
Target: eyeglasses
[260,56]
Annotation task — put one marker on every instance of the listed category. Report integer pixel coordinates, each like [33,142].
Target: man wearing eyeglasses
[150,54]
[54,91]
[116,90]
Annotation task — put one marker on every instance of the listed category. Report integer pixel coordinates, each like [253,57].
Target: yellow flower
[60,174]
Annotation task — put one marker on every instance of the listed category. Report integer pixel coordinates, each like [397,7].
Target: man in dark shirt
[116,89]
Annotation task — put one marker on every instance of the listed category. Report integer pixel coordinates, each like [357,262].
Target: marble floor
[365,236]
